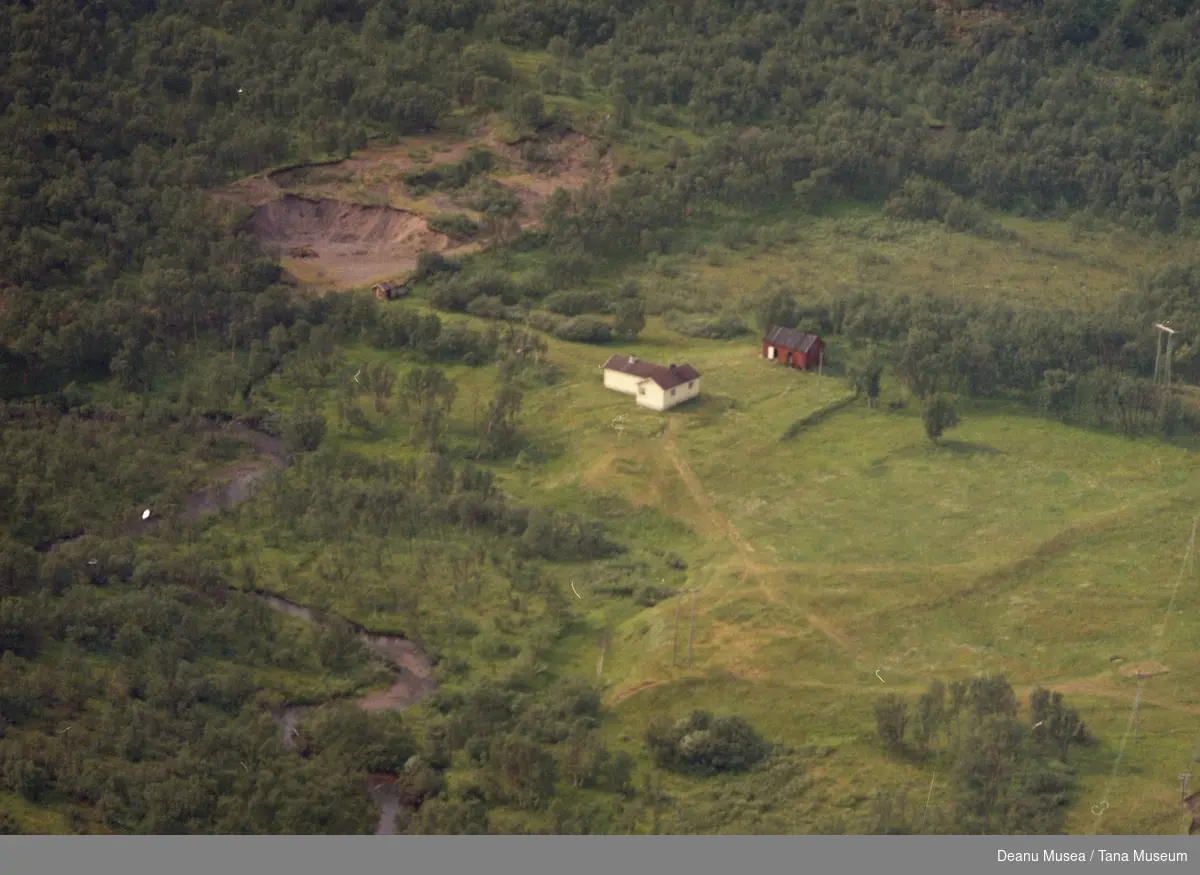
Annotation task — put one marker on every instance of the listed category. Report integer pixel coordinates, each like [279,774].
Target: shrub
[1059,393]
[631,318]
[939,415]
[430,264]
[455,226]
[304,429]
[650,594]
[547,322]
[891,720]
[925,200]
[534,288]
[487,59]
[477,161]
[454,296]
[564,537]
[462,344]
[526,110]
[535,152]
[569,269]
[721,327]
[735,236]
[370,741]
[487,92]
[630,289]
[490,197]
[584,329]
[572,84]
[965,216]
[919,198]
[487,308]
[706,745]
[576,303]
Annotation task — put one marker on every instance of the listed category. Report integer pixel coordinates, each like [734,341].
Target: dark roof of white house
[668,377]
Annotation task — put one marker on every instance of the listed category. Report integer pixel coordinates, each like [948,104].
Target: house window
[692,385]
[641,390]
[672,393]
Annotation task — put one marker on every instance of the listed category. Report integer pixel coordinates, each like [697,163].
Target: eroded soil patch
[348,244]
[350,223]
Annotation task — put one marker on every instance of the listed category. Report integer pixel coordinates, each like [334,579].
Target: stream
[413,681]
[414,678]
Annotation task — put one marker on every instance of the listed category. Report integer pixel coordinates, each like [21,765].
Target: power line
[1185,777]
[1160,637]
[929,795]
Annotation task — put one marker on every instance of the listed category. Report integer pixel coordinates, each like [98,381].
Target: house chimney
[632,359]
[672,365]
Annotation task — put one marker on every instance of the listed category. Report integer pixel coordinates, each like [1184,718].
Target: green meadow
[1021,546]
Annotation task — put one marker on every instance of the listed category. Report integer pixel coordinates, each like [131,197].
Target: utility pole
[603,652]
[1163,329]
[820,361]
[675,637]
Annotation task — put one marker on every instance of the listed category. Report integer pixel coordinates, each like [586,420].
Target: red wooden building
[804,351]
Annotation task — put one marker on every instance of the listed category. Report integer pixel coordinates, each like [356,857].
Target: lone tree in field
[939,415]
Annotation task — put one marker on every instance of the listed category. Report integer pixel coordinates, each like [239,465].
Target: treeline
[1096,366]
[1005,776]
[568,314]
[110,262]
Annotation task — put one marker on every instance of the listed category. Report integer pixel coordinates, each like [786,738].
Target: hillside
[279,557]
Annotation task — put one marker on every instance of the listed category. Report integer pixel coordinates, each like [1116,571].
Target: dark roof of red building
[790,339]
[668,377]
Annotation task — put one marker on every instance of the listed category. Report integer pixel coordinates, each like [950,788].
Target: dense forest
[138,672]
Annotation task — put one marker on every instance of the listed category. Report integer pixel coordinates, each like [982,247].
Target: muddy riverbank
[414,670]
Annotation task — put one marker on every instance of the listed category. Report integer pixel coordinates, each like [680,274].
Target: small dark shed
[389,291]
[795,348]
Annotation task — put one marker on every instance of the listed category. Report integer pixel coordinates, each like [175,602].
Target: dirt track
[1105,685]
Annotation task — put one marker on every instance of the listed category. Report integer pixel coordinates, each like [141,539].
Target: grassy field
[1022,546]
[724,261]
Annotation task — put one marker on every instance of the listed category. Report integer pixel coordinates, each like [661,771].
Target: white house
[654,386]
